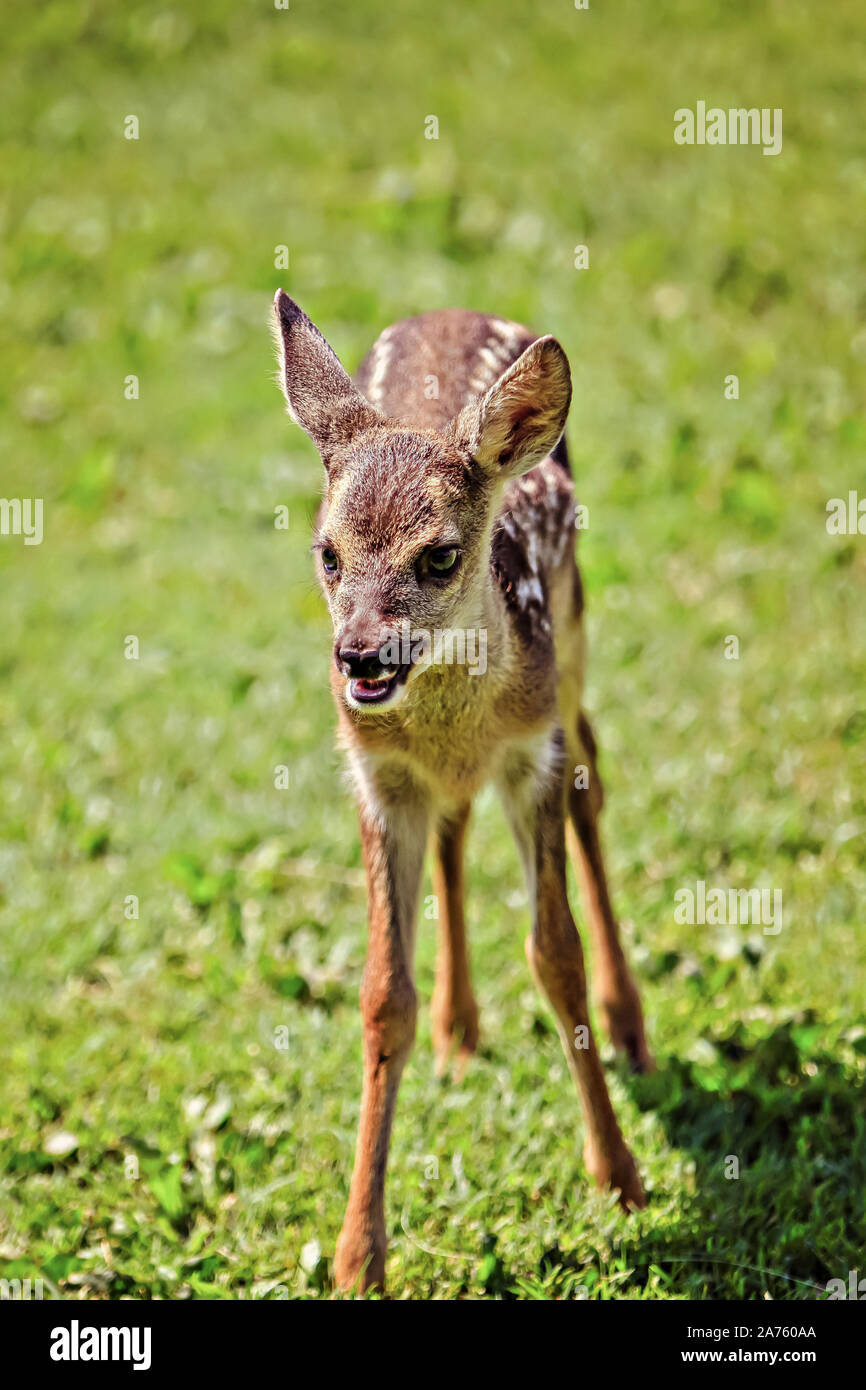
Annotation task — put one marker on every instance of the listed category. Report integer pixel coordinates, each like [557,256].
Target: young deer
[449,506]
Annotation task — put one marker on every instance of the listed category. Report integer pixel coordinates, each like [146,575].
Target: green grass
[150,1041]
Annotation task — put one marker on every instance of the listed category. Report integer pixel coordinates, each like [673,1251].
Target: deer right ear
[321,396]
[520,419]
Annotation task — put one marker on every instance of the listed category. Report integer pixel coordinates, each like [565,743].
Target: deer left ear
[521,418]
[321,396]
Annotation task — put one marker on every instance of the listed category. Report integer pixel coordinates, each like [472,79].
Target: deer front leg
[393,845]
[533,800]
[454,1013]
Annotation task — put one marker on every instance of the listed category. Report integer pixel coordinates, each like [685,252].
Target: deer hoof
[617,1173]
[623,1019]
[455,1028]
[358,1266]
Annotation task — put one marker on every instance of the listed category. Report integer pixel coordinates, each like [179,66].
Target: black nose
[359,665]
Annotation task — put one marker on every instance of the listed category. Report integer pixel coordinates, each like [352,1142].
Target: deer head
[403,540]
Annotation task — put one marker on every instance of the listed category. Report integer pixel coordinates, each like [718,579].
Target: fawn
[449,505]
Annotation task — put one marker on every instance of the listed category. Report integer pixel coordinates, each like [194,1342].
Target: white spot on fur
[499,350]
[383,351]
[509,332]
[530,591]
[490,359]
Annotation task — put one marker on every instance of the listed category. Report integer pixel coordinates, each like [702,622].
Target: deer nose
[364,665]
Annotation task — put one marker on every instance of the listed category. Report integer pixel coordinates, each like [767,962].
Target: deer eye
[330,562]
[442,559]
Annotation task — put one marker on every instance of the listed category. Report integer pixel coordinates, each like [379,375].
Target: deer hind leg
[532,792]
[614,988]
[454,1013]
[393,848]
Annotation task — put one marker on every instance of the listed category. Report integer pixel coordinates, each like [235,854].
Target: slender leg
[393,847]
[453,1010]
[533,802]
[614,988]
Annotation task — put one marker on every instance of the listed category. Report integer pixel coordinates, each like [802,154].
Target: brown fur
[452,440]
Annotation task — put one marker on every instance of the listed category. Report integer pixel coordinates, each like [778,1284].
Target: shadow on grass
[777,1132]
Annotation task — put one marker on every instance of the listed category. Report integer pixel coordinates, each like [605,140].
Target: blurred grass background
[155,1142]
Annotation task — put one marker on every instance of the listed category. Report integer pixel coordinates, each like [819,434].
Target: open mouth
[377,690]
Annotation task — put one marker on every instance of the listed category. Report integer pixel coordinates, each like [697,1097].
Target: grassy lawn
[181,941]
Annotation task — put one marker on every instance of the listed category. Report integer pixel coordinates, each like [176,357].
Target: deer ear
[320,394]
[521,418]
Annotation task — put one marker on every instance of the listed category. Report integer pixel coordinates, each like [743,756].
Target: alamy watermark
[854,1289]
[22,516]
[847,516]
[444,646]
[77,1343]
[737,126]
[729,907]
[20,1290]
